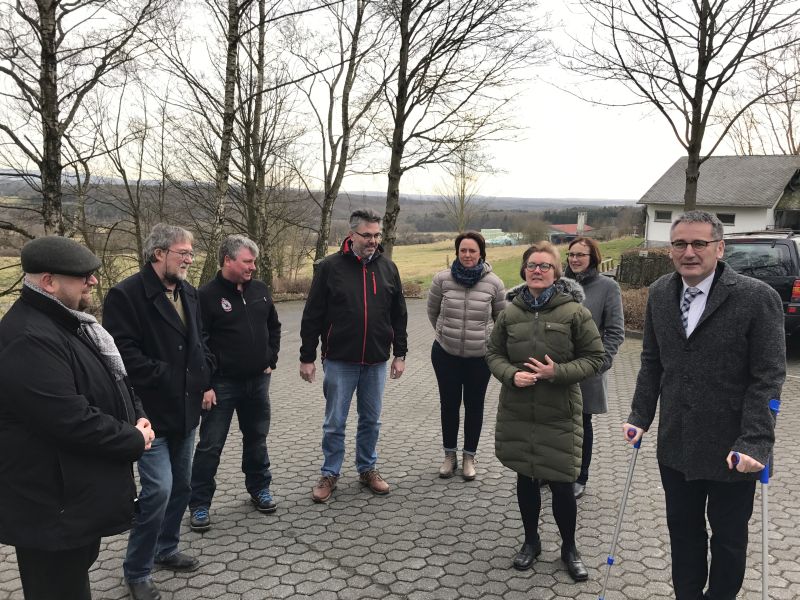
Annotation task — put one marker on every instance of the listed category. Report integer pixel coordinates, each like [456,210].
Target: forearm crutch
[631,433]
[774,407]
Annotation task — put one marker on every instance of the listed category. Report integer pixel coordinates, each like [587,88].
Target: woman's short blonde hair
[543,246]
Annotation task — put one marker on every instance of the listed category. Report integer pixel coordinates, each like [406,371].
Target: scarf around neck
[466,276]
[587,275]
[537,303]
[96,332]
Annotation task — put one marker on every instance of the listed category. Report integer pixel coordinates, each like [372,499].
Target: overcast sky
[570,148]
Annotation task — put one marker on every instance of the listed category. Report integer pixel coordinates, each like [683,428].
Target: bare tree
[456,64]
[683,57]
[52,54]
[458,194]
[339,107]
[772,125]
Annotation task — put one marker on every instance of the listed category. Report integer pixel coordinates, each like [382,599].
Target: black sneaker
[179,562]
[264,502]
[200,519]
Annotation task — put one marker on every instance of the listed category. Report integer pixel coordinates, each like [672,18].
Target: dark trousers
[588,440]
[57,575]
[565,509]
[460,377]
[729,507]
[249,398]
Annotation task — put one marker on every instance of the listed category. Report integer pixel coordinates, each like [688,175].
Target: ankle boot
[468,467]
[448,468]
[575,567]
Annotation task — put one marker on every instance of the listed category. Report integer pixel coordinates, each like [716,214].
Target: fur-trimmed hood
[563,286]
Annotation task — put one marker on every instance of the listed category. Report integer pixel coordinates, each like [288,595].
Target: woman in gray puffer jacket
[463,303]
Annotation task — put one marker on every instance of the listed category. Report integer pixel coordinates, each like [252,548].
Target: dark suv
[774,258]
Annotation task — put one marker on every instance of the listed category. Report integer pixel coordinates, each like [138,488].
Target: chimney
[581,223]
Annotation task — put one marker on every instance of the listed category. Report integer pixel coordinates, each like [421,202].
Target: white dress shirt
[698,305]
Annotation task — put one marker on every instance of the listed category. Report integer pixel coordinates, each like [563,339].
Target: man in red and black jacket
[244,334]
[356,307]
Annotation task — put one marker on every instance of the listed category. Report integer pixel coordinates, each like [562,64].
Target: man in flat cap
[70,425]
[154,317]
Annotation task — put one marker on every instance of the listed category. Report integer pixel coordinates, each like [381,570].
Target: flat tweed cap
[59,255]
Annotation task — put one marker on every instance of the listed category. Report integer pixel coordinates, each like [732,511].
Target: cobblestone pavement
[433,538]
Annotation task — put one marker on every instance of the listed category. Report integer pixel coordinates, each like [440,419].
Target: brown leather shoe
[373,480]
[323,491]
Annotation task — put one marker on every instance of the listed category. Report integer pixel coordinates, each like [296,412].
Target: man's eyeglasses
[370,236]
[698,245]
[182,253]
[577,254]
[543,267]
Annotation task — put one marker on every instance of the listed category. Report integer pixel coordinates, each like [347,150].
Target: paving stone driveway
[433,538]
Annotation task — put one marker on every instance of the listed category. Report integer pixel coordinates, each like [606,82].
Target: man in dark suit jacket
[714,352]
[154,317]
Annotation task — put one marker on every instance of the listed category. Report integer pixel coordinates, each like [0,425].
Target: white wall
[747,219]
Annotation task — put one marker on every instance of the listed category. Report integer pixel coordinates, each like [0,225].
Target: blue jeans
[164,478]
[341,380]
[249,397]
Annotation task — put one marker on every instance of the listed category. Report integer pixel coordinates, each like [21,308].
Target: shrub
[412,289]
[634,302]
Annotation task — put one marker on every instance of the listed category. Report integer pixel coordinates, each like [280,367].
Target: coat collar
[229,285]
[55,311]
[156,292]
[725,279]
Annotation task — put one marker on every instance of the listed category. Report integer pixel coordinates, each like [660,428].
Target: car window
[759,260]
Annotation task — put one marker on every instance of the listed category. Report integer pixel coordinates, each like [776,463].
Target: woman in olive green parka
[543,344]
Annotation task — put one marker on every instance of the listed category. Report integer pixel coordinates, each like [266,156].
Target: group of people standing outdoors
[539,331]
[81,402]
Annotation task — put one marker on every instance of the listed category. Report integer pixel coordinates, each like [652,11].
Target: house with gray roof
[747,193]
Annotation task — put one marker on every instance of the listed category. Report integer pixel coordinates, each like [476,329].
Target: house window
[727,218]
[664,216]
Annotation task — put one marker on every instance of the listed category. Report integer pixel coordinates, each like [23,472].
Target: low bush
[634,302]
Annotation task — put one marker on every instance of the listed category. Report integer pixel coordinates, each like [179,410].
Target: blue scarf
[466,276]
[537,303]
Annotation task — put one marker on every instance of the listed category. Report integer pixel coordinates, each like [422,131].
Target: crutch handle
[735,458]
[631,433]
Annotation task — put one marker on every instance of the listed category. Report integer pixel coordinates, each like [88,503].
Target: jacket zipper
[364,343]
[374,285]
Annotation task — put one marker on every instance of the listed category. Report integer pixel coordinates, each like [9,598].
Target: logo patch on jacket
[226,305]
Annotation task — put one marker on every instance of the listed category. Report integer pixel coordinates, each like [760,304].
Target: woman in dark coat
[543,344]
[604,301]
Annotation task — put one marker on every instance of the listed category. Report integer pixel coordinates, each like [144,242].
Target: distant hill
[490,202]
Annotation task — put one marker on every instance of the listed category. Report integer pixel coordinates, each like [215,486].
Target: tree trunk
[50,166]
[398,139]
[335,175]
[697,125]
[692,175]
[223,165]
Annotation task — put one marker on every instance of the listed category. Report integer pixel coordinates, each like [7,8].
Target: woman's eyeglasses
[543,267]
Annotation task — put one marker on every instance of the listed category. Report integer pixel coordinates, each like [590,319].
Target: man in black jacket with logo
[245,336]
[356,306]
[154,317]
[70,426]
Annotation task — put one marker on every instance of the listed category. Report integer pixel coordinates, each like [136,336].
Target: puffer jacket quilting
[463,317]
